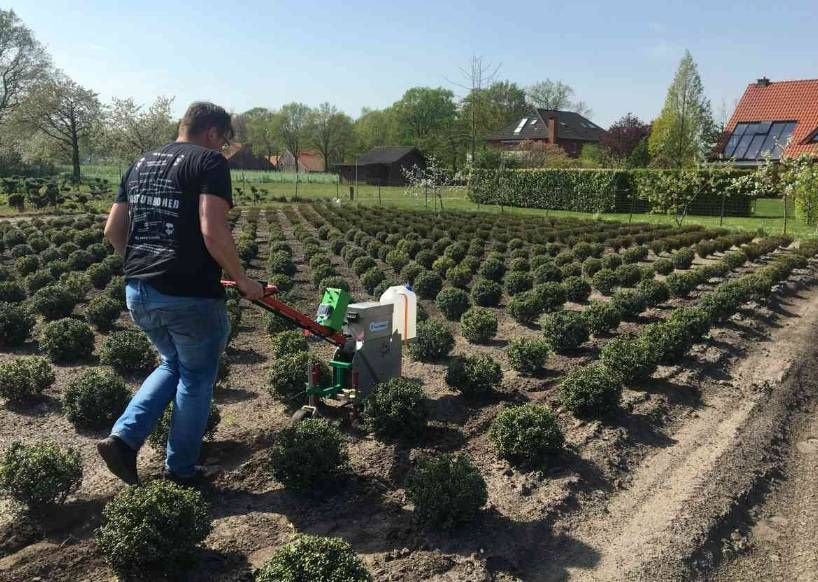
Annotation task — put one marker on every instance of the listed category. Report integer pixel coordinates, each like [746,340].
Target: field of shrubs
[535,379]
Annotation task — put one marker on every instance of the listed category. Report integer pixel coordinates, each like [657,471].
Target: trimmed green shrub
[307,454]
[577,289]
[78,284]
[39,475]
[441,265]
[527,356]
[116,289]
[333,282]
[127,351]
[281,262]
[276,324]
[629,302]
[634,254]
[288,375]
[517,282]
[526,435]
[38,280]
[371,279]
[95,399]
[571,270]
[447,490]
[519,265]
[411,271]
[15,325]
[159,437]
[629,357]
[547,273]
[654,292]
[683,258]
[486,293]
[591,266]
[611,262]
[605,281]
[12,292]
[492,269]
[452,303]
[682,284]
[27,265]
[288,342]
[628,275]
[602,317]
[525,307]
[102,312]
[478,325]
[284,283]
[563,258]
[67,340]
[154,528]
[397,409]
[312,558]
[460,275]
[362,264]
[428,284]
[25,378]
[54,302]
[433,342]
[564,331]
[550,296]
[590,391]
[474,375]
[663,266]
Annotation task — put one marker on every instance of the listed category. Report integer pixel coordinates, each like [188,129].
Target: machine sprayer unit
[368,339]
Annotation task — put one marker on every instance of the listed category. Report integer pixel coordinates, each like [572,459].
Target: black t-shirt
[165,244]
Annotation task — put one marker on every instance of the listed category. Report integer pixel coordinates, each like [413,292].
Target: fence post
[785,214]
[426,196]
[380,202]
[721,214]
[633,205]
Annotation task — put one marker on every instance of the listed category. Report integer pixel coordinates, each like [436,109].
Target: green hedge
[596,190]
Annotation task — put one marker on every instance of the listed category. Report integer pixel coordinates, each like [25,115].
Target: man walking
[169,220]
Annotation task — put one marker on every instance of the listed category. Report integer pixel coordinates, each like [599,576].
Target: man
[169,220]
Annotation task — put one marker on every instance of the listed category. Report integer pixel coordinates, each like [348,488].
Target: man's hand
[250,289]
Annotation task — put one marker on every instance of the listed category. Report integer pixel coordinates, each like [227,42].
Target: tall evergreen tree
[680,135]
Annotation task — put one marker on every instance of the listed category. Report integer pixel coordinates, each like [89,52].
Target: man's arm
[116,228]
[219,242]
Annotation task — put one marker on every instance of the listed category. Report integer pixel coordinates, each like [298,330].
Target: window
[520,125]
[814,138]
[752,141]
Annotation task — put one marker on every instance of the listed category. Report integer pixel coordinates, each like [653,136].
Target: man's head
[207,125]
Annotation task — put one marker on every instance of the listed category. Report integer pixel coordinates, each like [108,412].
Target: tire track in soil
[651,529]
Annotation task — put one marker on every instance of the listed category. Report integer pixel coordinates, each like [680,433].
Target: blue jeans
[190,334]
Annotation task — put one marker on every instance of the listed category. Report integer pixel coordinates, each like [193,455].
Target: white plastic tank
[405,314]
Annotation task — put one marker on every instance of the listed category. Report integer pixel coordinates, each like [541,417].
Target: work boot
[120,459]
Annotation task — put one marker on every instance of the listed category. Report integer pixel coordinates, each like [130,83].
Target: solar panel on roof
[521,125]
[752,141]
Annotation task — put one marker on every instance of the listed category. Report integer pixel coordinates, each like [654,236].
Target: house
[241,157]
[772,119]
[308,161]
[383,165]
[569,130]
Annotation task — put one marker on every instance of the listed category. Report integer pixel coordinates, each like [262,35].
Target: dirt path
[676,497]
[782,539]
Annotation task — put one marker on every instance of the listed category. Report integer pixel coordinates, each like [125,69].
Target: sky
[619,57]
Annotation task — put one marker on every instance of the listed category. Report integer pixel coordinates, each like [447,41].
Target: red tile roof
[782,101]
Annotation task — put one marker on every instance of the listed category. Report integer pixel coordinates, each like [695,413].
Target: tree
[376,128]
[131,130]
[426,118]
[330,132]
[63,111]
[623,137]
[679,136]
[262,131]
[478,75]
[550,94]
[294,127]
[493,107]
[23,62]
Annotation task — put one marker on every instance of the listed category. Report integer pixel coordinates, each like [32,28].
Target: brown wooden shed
[383,165]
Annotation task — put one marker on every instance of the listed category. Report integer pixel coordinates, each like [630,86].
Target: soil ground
[708,471]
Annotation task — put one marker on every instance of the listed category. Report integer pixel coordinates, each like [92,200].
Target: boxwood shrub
[153,530]
[428,284]
[525,307]
[311,558]
[159,437]
[654,291]
[25,378]
[492,269]
[577,289]
[287,378]
[547,273]
[446,490]
[517,282]
[630,302]
[526,435]
[605,281]
[628,275]
[95,399]
[452,303]
[102,312]
[550,296]
[474,375]
[590,391]
[307,454]
[39,475]
[486,293]
[288,342]
[564,330]
[663,266]
[397,409]
[683,258]
[527,356]
[478,325]
[12,292]
[629,357]
[67,340]
[127,351]
[16,324]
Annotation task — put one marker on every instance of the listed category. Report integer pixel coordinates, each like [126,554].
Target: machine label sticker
[377,326]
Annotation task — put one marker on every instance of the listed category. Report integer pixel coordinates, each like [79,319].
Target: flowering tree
[432,179]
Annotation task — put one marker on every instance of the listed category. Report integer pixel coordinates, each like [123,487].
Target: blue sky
[618,56]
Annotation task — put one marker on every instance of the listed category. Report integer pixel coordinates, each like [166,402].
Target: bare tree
[329,129]
[550,94]
[479,74]
[23,62]
[295,119]
[131,129]
[63,111]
